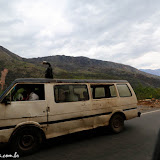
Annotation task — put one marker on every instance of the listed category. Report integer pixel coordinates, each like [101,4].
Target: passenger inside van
[27,92]
[25,96]
[17,94]
[32,96]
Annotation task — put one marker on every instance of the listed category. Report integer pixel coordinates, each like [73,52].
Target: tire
[26,140]
[117,123]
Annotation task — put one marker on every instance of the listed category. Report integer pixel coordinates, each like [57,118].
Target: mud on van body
[62,107]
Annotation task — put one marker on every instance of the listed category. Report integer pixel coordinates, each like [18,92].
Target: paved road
[136,142]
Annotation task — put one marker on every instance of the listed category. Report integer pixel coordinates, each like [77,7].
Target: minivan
[62,106]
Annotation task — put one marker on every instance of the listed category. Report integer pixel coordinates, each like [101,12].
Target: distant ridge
[152,71]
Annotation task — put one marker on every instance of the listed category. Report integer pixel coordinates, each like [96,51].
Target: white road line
[151,112]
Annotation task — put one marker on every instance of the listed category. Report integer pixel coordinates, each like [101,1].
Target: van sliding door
[66,108]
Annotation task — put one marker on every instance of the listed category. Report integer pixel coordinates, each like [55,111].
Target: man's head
[45,62]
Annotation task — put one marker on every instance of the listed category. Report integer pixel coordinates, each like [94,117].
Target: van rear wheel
[26,141]
[117,123]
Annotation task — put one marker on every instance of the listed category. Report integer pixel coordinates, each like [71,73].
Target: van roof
[45,80]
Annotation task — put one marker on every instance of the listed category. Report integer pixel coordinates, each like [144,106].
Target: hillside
[73,67]
[82,67]
[17,67]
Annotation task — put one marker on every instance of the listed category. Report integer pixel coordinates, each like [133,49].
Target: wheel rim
[117,123]
[26,142]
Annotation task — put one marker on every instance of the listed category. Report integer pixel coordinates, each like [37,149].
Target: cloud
[145,62]
[119,31]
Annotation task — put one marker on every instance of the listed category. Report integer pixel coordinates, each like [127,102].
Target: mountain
[152,71]
[67,67]
[83,67]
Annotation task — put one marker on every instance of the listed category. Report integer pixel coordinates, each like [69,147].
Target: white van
[35,109]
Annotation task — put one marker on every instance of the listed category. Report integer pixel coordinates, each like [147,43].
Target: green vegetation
[144,92]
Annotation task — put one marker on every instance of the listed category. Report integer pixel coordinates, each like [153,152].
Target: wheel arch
[25,125]
[118,112]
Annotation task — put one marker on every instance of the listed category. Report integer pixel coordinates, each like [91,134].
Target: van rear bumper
[132,113]
[139,114]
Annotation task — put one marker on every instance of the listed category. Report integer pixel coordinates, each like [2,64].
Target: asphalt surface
[136,142]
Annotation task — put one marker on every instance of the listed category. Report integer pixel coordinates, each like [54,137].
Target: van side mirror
[6,101]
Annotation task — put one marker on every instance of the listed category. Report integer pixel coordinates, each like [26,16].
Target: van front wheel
[117,123]
[26,141]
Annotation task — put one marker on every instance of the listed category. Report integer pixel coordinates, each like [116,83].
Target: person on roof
[49,72]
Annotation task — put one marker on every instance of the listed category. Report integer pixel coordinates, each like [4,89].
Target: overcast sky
[123,31]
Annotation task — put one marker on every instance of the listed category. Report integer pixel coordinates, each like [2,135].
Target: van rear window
[123,90]
[70,93]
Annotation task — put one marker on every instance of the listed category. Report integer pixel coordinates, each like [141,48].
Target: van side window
[70,93]
[27,92]
[100,92]
[103,91]
[123,90]
[113,91]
